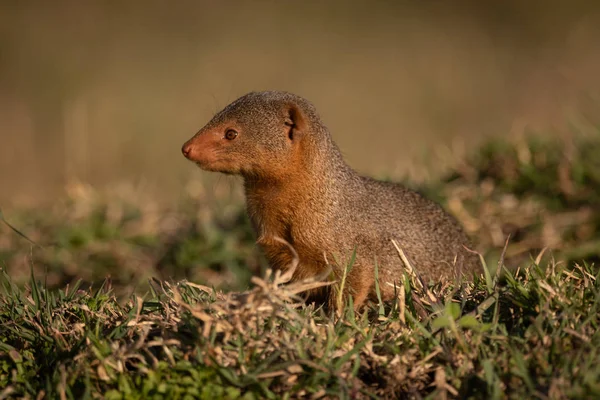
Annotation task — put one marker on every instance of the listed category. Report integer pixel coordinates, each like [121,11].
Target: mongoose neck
[319,163]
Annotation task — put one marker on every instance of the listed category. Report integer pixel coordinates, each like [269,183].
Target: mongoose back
[299,188]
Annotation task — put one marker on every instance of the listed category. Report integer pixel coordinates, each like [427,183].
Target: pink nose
[186,150]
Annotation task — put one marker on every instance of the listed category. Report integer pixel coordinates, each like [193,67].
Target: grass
[149,332]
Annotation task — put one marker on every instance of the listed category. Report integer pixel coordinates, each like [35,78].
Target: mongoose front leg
[279,253]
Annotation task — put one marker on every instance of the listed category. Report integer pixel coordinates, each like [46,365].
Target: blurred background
[106,91]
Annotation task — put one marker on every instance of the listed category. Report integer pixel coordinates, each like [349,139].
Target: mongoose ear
[295,122]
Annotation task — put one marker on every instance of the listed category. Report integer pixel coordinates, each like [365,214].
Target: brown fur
[299,188]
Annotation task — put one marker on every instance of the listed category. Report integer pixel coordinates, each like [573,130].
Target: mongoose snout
[203,149]
[299,188]
[186,149]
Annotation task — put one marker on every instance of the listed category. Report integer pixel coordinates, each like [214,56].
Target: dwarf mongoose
[299,188]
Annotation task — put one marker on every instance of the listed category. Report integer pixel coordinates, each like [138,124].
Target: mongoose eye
[230,134]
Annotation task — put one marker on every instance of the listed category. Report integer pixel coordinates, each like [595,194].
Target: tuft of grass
[535,337]
[542,192]
[130,239]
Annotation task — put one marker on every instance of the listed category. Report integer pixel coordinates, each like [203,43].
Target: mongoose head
[258,135]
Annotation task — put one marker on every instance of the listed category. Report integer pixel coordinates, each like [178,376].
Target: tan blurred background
[106,91]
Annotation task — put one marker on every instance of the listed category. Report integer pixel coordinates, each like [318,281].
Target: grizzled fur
[299,188]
